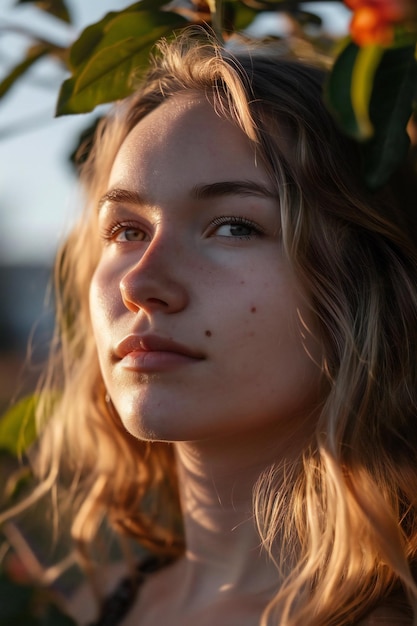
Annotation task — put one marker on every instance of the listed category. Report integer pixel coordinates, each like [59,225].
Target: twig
[36,571]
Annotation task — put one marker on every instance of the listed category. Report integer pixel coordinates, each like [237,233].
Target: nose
[155,281]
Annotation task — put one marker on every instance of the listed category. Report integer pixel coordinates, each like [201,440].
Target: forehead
[185,137]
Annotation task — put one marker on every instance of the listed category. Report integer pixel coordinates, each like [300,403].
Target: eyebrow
[232,188]
[200,192]
[118,195]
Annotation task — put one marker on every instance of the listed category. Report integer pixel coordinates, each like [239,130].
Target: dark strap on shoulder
[116,606]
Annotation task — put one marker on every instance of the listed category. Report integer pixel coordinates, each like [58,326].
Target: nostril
[157,301]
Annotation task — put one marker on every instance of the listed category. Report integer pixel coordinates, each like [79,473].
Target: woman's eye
[121,233]
[236,227]
[130,234]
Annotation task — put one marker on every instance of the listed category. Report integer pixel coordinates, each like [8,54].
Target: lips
[153,353]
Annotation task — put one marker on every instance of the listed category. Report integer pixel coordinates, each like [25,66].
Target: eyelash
[109,233]
[239,221]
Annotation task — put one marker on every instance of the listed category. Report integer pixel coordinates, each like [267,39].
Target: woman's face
[201,328]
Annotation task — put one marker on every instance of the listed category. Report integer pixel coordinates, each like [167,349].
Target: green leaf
[237,16]
[57,8]
[91,36]
[33,54]
[337,90]
[370,91]
[364,69]
[18,426]
[85,45]
[114,67]
[390,109]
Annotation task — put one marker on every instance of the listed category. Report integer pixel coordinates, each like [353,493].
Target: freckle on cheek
[208,333]
[253,309]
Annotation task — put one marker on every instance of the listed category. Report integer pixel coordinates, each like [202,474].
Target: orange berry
[368,27]
[390,10]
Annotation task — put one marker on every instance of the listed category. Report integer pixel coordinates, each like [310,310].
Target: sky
[38,198]
[37,187]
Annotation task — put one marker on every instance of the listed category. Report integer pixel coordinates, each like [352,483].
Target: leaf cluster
[372,91]
[24,599]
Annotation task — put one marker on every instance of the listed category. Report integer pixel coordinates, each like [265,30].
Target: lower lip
[155,361]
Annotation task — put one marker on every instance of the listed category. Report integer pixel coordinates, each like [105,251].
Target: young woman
[236,353]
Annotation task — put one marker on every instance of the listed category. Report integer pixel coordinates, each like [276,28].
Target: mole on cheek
[253,309]
[208,333]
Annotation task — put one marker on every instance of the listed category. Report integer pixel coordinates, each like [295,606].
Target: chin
[151,425]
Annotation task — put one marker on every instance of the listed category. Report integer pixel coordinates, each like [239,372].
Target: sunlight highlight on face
[202,330]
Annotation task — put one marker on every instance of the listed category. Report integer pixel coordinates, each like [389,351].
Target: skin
[206,270]
[225,291]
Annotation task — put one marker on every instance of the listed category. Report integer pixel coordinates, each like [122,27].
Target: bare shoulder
[82,605]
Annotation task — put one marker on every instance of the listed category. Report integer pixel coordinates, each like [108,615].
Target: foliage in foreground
[372,89]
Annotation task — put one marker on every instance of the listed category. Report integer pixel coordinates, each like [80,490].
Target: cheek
[103,300]
[283,323]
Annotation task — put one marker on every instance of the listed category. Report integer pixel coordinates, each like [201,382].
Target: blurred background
[37,185]
[38,200]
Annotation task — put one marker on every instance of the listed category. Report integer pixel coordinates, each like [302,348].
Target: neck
[217,480]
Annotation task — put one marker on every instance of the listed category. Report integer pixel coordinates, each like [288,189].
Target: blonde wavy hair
[348,508]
